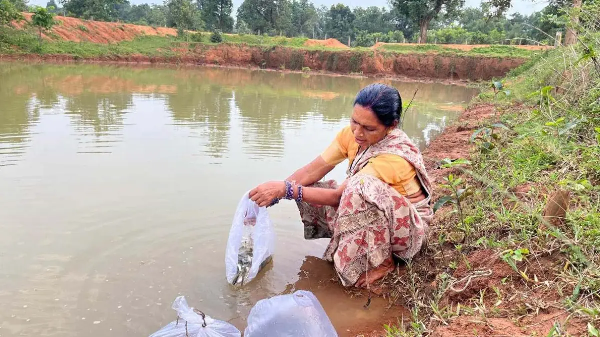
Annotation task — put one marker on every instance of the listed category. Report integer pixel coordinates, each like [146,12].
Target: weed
[83,28]
[355,62]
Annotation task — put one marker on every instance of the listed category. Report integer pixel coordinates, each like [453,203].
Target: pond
[118,186]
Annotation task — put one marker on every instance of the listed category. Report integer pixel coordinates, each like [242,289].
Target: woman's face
[366,127]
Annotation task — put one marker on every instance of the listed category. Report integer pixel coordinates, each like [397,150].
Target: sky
[525,7]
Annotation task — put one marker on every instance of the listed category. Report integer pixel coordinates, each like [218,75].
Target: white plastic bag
[191,323]
[251,225]
[297,314]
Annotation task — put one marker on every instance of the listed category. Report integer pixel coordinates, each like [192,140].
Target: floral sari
[373,221]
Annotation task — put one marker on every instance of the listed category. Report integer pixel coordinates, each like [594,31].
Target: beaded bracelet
[289,191]
[274,202]
[299,198]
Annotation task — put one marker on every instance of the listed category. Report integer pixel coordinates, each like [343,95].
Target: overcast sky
[521,6]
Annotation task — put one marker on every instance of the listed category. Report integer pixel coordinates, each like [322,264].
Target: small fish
[245,255]
[244,262]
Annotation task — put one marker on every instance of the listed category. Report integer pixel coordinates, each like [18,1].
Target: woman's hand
[264,194]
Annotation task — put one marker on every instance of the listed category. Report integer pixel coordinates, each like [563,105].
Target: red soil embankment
[77,30]
[354,61]
[454,67]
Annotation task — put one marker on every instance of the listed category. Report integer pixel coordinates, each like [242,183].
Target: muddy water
[118,186]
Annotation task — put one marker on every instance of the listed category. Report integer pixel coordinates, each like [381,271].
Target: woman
[381,210]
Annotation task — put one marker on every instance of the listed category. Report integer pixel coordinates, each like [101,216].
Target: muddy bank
[370,63]
[345,307]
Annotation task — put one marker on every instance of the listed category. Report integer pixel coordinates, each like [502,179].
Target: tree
[242,28]
[304,17]
[340,22]
[571,35]
[423,11]
[373,19]
[43,20]
[157,16]
[52,7]
[265,16]
[8,13]
[20,5]
[102,10]
[183,15]
[216,14]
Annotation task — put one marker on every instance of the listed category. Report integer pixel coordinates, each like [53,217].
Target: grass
[550,141]
[18,41]
[491,51]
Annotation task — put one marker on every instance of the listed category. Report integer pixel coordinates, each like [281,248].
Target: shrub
[216,37]
[197,37]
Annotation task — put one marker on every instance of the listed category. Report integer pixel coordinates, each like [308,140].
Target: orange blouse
[392,169]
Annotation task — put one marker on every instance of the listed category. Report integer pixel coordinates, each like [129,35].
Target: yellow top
[392,169]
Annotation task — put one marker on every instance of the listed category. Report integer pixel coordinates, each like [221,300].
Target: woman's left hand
[264,194]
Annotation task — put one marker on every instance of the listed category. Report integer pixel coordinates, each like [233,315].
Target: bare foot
[375,273]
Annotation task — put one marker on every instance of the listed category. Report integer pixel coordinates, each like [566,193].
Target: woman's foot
[376,273]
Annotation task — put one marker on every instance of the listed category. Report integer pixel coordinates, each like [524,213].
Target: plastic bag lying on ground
[193,323]
[297,314]
[251,242]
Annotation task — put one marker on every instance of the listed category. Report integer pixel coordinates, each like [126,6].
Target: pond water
[118,186]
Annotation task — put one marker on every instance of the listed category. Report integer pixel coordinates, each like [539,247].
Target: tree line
[433,21]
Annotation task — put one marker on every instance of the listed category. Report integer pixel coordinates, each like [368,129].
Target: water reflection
[98,98]
[200,104]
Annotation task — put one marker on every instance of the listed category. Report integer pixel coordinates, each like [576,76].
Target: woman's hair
[384,100]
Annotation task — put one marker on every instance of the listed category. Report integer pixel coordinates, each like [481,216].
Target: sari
[372,221]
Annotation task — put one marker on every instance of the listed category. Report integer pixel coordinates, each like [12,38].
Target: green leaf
[592,330]
[500,125]
[546,90]
[447,163]
[517,255]
[487,147]
[568,127]
[441,202]
[457,182]
[477,132]
[464,193]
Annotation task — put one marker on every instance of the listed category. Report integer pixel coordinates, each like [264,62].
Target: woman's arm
[264,194]
[312,172]
[322,196]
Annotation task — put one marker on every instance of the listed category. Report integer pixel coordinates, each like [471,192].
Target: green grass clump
[500,50]
[265,40]
[491,51]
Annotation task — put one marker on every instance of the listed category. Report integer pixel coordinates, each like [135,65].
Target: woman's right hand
[264,194]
